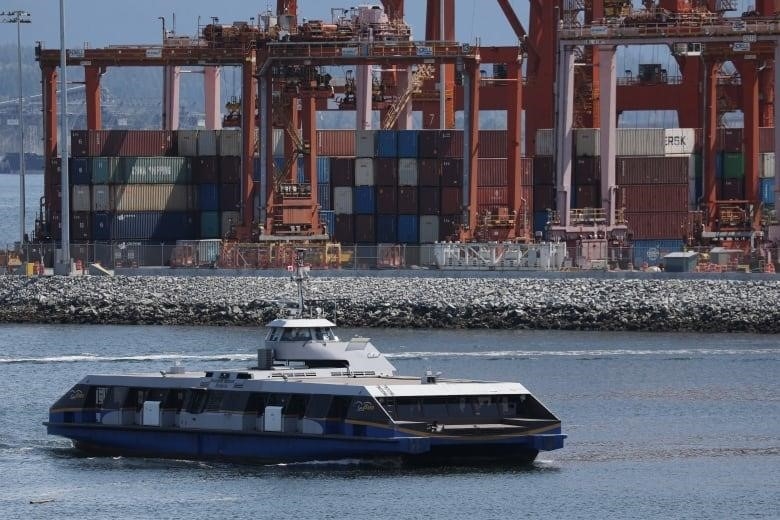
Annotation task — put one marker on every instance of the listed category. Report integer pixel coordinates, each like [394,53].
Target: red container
[452,172]
[544,197]
[407,200]
[526,171]
[229,169]
[429,200]
[654,197]
[543,173]
[205,170]
[79,143]
[658,224]
[730,140]
[365,229]
[492,144]
[526,202]
[427,145]
[586,196]
[386,200]
[493,196]
[766,139]
[428,172]
[449,226]
[652,170]
[344,231]
[386,172]
[449,144]
[492,172]
[230,197]
[587,170]
[81,226]
[732,189]
[342,171]
[336,143]
[451,200]
[131,143]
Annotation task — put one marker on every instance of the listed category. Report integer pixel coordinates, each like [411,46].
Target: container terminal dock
[562,187]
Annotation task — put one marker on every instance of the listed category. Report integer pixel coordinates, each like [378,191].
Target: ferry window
[339,407]
[234,401]
[485,406]
[214,400]
[318,406]
[409,408]
[509,405]
[115,397]
[274,334]
[278,399]
[435,407]
[324,333]
[296,405]
[195,400]
[174,400]
[364,408]
[256,403]
[100,395]
[155,394]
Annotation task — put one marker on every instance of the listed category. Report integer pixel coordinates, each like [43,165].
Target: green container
[155,170]
[733,165]
[104,170]
[209,224]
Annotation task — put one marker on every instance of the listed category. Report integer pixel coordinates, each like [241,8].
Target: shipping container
[407,143]
[449,227]
[152,225]
[386,200]
[101,197]
[766,139]
[652,170]
[766,165]
[187,141]
[205,170]
[105,170]
[767,190]
[679,141]
[101,226]
[732,189]
[228,221]
[587,142]
[208,198]
[449,144]
[588,196]
[230,144]
[428,172]
[230,197]
[386,143]
[365,230]
[651,252]
[324,197]
[79,171]
[328,221]
[427,148]
[429,229]
[407,200]
[365,143]
[544,197]
[257,171]
[543,173]
[150,170]
[342,200]
[79,143]
[733,165]
[80,198]
[429,202]
[342,171]
[729,140]
[230,170]
[407,172]
[364,201]
[545,142]
[323,170]
[586,170]
[492,144]
[386,229]
[152,197]
[386,172]
[209,225]
[452,171]
[640,141]
[540,220]
[208,142]
[131,143]
[493,196]
[657,224]
[364,172]
[335,143]
[654,197]
[81,226]
[526,171]
[344,229]
[408,229]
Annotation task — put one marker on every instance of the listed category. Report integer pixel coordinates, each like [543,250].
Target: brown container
[586,196]
[654,197]
[526,202]
[451,200]
[492,144]
[428,172]
[205,170]
[492,196]
[131,143]
[544,197]
[543,173]
[526,171]
[732,189]
[342,171]
[449,226]
[657,224]
[365,229]
[407,200]
[229,169]
[336,143]
[652,170]
[766,139]
[344,231]
[79,143]
[386,200]
[427,146]
[429,200]
[386,172]
[587,170]
[730,140]
[81,226]
[492,172]
[452,172]
[230,197]
[449,144]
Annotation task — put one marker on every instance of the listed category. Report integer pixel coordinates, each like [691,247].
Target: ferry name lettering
[76,394]
[365,406]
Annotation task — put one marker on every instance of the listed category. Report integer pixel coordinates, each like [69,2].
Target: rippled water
[659,425]
[9,205]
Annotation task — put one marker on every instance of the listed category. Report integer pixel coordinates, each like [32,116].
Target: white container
[766,165]
[101,198]
[407,172]
[80,198]
[207,142]
[187,142]
[587,142]
[364,143]
[364,171]
[230,142]
[545,142]
[429,229]
[679,141]
[641,142]
[153,197]
[342,200]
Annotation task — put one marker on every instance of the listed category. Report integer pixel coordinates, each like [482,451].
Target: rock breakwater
[497,303]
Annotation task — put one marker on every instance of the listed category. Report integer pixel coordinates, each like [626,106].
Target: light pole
[19,17]
[63,145]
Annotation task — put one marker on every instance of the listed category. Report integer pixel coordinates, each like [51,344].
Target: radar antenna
[298,277]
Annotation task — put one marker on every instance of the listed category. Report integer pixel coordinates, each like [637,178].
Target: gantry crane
[422,73]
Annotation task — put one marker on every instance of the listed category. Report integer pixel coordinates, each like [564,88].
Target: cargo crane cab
[349,100]
[233,117]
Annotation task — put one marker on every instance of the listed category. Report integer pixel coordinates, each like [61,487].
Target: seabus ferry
[312,396]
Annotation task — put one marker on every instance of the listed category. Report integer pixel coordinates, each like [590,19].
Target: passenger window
[288,335]
[234,401]
[256,403]
[214,400]
[318,406]
[194,402]
[274,334]
[297,405]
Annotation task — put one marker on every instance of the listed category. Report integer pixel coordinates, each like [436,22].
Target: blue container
[257,170]
[209,224]
[135,225]
[364,200]
[540,220]
[407,143]
[79,171]
[408,229]
[719,165]
[651,252]
[328,219]
[386,143]
[767,188]
[208,197]
[386,229]
[323,170]
[101,226]
[323,197]
[176,225]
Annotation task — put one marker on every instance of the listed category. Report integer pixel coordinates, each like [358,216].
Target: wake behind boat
[312,396]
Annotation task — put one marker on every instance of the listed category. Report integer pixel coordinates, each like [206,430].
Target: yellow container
[29,269]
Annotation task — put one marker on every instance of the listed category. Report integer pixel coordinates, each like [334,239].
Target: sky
[99,23]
